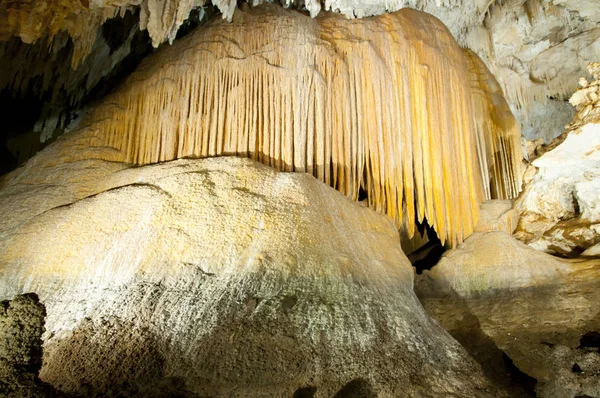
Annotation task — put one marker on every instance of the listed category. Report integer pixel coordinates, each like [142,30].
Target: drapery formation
[384,104]
[497,131]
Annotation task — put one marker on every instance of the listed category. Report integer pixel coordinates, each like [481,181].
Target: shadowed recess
[383,104]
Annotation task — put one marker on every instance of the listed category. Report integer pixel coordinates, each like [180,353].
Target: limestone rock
[560,207]
[505,301]
[315,120]
[219,277]
[497,215]
[21,328]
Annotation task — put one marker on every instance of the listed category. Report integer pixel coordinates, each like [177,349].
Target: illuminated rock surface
[497,215]
[560,208]
[319,96]
[535,48]
[221,277]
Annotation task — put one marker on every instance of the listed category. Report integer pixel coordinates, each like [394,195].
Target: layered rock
[517,310]
[219,277]
[497,215]
[560,207]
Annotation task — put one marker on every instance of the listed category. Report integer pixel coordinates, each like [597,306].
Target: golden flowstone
[390,104]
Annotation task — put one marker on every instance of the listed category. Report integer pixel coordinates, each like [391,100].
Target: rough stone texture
[535,48]
[219,277]
[21,328]
[560,207]
[498,296]
[544,120]
[497,215]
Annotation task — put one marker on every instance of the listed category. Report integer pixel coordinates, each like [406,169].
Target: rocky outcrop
[534,48]
[537,50]
[497,215]
[220,277]
[560,207]
[21,328]
[520,311]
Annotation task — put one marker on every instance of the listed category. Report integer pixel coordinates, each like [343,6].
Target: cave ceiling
[59,55]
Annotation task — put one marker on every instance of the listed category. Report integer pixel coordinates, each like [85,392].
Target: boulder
[219,277]
[522,310]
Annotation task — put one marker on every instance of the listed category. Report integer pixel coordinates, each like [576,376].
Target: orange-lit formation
[390,104]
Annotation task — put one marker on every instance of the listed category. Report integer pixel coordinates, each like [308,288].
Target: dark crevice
[362,194]
[429,255]
[590,340]
[305,392]
[517,376]
[357,388]
[116,30]
[58,104]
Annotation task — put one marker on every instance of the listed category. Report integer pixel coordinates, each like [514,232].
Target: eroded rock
[560,207]
[510,304]
[497,215]
[21,328]
[221,277]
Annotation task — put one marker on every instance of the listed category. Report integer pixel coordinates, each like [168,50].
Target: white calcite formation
[560,208]
[218,277]
[537,49]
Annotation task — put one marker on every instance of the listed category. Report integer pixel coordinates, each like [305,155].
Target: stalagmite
[383,104]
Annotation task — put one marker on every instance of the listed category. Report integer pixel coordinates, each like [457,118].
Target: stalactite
[382,103]
[498,133]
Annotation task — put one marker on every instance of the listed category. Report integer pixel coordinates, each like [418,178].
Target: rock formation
[509,304]
[222,277]
[21,328]
[299,95]
[173,261]
[560,208]
[535,48]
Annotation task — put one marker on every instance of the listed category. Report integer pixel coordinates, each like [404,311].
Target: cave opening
[590,340]
[427,256]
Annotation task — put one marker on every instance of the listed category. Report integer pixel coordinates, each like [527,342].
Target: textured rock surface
[497,215]
[560,207]
[219,277]
[21,328]
[499,297]
[323,104]
[544,120]
[536,48]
